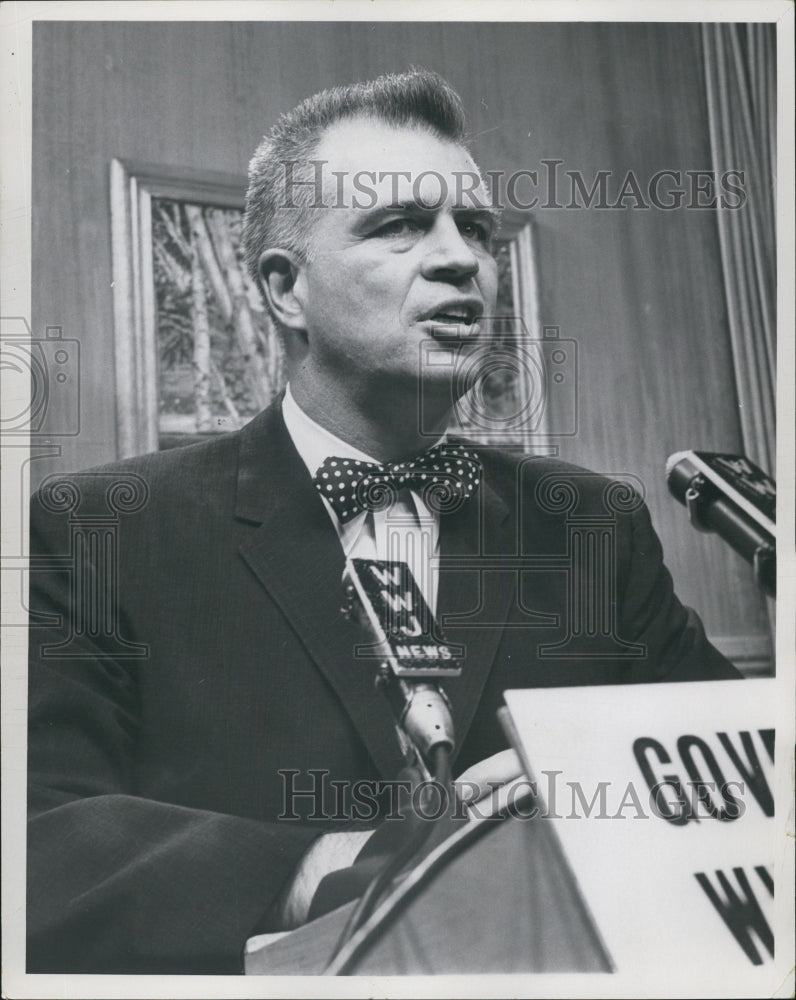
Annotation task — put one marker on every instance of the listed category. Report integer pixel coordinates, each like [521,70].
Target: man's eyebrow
[478,213]
[420,208]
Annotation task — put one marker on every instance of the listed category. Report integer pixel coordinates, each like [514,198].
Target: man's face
[405,259]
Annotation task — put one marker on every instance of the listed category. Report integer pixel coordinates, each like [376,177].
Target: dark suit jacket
[155,745]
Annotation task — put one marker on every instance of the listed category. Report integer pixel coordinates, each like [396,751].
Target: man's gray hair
[417,98]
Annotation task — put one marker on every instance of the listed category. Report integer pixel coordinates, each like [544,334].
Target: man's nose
[449,256]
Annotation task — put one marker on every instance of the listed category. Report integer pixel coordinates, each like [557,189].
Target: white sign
[663,799]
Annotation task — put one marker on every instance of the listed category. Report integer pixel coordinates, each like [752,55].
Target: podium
[658,841]
[507,904]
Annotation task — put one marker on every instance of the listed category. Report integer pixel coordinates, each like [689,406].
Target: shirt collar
[315,443]
[312,441]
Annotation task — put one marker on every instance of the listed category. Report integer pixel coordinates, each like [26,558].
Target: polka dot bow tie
[445,477]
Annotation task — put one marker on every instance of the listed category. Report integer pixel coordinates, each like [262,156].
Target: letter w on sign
[388,601]
[741,911]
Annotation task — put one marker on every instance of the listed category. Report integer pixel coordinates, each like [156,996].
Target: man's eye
[398,227]
[476,231]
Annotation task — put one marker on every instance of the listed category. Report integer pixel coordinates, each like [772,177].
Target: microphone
[731,496]
[386,600]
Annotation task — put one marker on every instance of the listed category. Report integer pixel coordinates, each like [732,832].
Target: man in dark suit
[185,760]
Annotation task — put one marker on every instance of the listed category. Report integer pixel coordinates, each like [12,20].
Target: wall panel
[640,290]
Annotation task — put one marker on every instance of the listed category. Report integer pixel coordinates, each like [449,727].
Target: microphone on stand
[386,600]
[731,496]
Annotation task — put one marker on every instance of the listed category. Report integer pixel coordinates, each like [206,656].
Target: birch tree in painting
[219,355]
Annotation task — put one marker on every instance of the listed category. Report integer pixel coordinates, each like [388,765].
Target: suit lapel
[296,555]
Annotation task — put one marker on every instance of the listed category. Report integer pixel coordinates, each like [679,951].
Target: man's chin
[450,368]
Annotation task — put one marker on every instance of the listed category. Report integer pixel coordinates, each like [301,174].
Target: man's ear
[281,274]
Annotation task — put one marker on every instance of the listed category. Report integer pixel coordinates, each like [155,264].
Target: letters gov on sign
[663,800]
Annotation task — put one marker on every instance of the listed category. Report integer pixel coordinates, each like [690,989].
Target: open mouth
[456,316]
[452,319]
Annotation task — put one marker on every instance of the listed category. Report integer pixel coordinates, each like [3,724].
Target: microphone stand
[421,711]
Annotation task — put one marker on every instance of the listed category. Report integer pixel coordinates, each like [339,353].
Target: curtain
[740,76]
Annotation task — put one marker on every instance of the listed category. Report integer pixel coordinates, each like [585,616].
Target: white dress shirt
[406,532]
